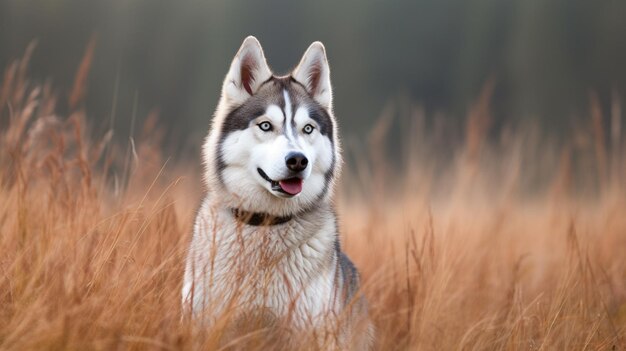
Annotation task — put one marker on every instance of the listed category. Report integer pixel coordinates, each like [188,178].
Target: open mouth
[290,186]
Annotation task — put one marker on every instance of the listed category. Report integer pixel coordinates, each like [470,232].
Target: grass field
[512,242]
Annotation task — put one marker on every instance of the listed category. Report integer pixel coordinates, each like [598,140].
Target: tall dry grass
[510,242]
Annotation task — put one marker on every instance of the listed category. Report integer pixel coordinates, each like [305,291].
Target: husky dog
[265,240]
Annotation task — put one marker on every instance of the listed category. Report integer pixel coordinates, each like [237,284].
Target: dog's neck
[259,218]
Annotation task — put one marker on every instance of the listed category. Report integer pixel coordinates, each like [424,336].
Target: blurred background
[544,57]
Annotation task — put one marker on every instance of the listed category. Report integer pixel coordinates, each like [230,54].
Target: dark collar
[259,218]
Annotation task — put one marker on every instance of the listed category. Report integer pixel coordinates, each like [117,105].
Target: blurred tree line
[545,55]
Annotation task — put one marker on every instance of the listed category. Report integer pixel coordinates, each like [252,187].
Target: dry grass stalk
[86,268]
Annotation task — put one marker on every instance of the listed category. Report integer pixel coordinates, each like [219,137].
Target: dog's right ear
[313,73]
[247,72]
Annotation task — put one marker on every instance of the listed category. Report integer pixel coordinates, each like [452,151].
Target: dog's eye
[308,129]
[265,126]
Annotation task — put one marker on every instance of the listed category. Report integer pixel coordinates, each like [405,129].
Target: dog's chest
[288,269]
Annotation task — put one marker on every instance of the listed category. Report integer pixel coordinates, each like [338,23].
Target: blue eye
[308,129]
[265,126]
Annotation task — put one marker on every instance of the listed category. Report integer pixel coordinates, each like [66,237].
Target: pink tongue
[291,186]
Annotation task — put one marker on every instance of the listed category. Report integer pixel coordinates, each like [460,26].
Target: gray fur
[292,270]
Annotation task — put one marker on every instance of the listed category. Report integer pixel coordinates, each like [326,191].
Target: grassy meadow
[513,241]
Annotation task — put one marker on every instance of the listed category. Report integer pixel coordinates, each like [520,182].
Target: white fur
[226,258]
[290,294]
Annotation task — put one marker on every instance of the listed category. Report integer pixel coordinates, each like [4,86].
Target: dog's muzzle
[289,186]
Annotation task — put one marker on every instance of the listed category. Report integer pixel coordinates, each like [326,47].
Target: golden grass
[511,244]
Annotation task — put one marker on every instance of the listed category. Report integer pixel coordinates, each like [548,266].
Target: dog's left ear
[247,71]
[314,73]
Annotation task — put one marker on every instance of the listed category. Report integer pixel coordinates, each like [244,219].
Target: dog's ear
[314,73]
[247,71]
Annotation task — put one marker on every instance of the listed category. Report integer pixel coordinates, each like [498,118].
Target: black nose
[296,161]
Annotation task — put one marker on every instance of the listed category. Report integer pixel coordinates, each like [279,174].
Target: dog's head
[273,145]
